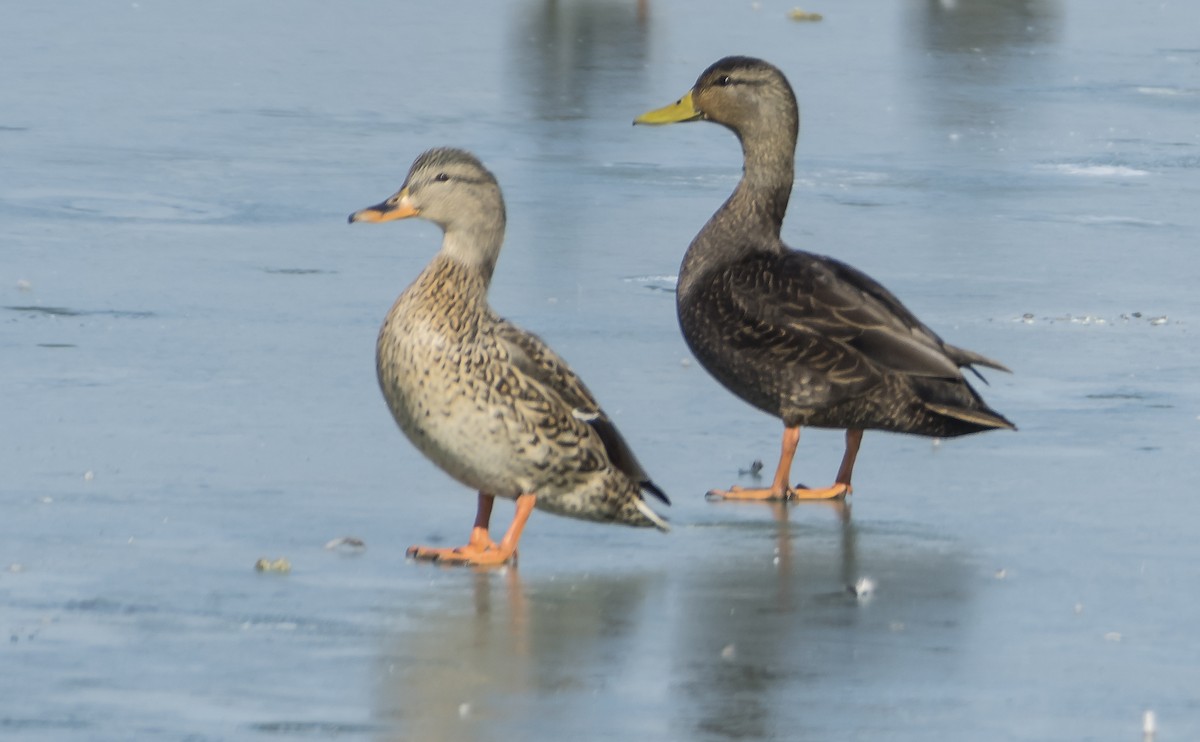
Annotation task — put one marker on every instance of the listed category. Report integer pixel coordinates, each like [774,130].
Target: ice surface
[187,371]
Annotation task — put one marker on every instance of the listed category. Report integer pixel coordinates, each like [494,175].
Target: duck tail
[653,489]
[654,518]
[963,357]
[621,455]
[983,418]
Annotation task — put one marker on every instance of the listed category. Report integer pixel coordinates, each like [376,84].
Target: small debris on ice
[1149,725]
[89,475]
[729,653]
[280,565]
[796,14]
[863,589]
[346,544]
[1112,636]
[755,469]
[1090,319]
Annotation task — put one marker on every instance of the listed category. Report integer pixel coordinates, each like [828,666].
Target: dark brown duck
[804,337]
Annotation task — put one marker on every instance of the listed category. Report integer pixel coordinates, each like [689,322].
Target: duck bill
[681,110]
[396,207]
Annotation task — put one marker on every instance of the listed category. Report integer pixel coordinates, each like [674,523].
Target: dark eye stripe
[725,81]
[445,177]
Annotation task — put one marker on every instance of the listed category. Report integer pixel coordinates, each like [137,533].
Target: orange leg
[480,549]
[480,541]
[781,490]
[779,487]
[841,486]
[853,441]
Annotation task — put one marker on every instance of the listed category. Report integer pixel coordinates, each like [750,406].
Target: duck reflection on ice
[784,559]
[775,653]
[568,58]
[969,54]
[753,619]
[517,655]
[742,629]
[985,26]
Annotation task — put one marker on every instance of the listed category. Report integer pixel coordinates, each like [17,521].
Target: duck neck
[769,151]
[750,220]
[763,193]
[475,249]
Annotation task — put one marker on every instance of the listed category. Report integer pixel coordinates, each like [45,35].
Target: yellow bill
[683,109]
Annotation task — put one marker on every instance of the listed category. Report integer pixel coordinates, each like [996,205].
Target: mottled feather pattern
[793,334]
[493,406]
[536,359]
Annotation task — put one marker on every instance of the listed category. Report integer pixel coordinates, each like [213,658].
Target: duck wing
[885,301]
[534,358]
[835,317]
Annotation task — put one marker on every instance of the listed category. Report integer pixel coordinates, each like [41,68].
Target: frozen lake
[187,330]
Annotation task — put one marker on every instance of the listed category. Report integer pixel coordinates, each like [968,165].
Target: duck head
[745,94]
[451,188]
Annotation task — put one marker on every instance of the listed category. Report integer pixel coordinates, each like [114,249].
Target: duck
[489,403]
[804,337]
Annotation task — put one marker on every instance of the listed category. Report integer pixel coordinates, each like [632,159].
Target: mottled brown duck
[488,402]
[804,337]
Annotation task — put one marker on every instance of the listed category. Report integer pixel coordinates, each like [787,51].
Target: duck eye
[724,81]
[441,177]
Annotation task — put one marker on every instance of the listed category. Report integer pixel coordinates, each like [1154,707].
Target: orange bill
[397,207]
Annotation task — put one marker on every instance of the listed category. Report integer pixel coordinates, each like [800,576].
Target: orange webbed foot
[771,494]
[492,555]
[480,549]
[837,492]
[757,494]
